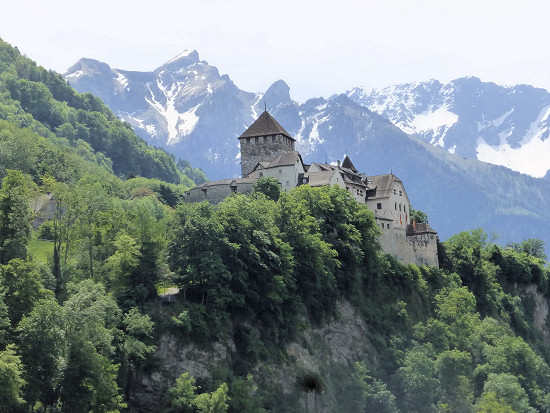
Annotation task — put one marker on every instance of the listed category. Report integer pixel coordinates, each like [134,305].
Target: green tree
[531,246]
[43,347]
[91,318]
[419,380]
[182,397]
[489,403]
[268,186]
[11,377]
[508,391]
[244,396]
[374,395]
[22,287]
[182,394]
[417,216]
[196,249]
[15,215]
[215,402]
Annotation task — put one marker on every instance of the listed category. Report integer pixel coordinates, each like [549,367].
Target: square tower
[263,141]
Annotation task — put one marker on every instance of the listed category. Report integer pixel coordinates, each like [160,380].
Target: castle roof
[263,126]
[322,178]
[382,185]
[348,164]
[286,158]
[420,228]
[225,182]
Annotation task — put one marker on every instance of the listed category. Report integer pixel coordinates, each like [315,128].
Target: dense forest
[94,237]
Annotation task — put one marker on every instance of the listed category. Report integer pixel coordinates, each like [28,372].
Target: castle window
[396,206]
[247,140]
[400,193]
[261,174]
[394,192]
[379,205]
[399,207]
[280,170]
[287,183]
[256,140]
[388,226]
[273,138]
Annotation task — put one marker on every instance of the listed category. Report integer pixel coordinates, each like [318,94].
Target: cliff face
[313,377]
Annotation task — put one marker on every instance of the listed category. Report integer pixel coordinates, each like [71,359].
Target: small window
[273,138]
[400,193]
[287,183]
[394,192]
[247,140]
[256,140]
[399,207]
[396,206]
[280,170]
[388,226]
[379,205]
[261,174]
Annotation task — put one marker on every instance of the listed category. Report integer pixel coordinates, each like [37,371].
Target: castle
[268,150]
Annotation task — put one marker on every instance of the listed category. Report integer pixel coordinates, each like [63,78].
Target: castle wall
[217,192]
[395,207]
[261,149]
[418,249]
[287,175]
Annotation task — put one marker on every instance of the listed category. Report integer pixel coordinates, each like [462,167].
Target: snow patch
[76,74]
[123,80]
[178,125]
[434,119]
[532,155]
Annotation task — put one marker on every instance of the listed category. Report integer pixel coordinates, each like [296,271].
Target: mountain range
[507,126]
[188,108]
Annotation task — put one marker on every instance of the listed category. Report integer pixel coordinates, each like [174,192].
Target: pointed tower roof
[263,126]
[348,164]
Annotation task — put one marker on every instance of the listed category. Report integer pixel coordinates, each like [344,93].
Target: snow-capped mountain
[197,114]
[507,126]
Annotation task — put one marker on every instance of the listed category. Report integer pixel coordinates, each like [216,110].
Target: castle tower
[264,140]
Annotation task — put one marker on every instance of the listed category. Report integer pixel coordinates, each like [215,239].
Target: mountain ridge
[504,125]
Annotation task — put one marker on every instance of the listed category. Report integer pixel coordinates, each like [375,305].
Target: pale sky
[318,47]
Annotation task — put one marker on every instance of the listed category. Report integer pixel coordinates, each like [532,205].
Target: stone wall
[418,249]
[216,191]
[262,149]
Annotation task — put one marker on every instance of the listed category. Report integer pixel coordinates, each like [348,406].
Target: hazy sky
[318,47]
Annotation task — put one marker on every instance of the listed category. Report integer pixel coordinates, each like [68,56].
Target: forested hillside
[115,296]
[33,97]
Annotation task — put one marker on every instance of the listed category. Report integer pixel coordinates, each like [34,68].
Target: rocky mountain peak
[184,59]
